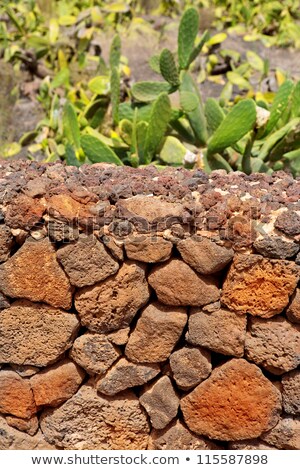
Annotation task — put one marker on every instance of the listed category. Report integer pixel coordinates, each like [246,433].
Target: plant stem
[246,161]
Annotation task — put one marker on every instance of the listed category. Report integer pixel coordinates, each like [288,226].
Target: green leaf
[172,151]
[237,79]
[217,162]
[154,63]
[28,137]
[61,79]
[295,101]
[198,48]
[279,104]
[115,52]
[294,154]
[99,85]
[168,67]
[96,151]
[126,128]
[53,31]
[70,156]
[214,114]
[159,120]
[188,30]
[141,135]
[70,125]
[237,123]
[149,91]
[216,39]
[115,94]
[196,116]
[275,137]
[188,101]
[255,61]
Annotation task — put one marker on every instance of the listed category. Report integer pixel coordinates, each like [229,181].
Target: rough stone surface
[4,302]
[236,402]
[288,222]
[285,435]
[190,366]
[16,397]
[273,344]
[276,247]
[157,331]
[176,436]
[28,425]
[147,248]
[33,273]
[293,310]
[24,371]
[24,212]
[161,402]
[119,337]
[176,283]
[6,242]
[114,247]
[35,334]
[125,374]
[204,255]
[92,421]
[291,392]
[259,286]
[66,208]
[86,261]
[112,303]
[55,384]
[13,439]
[220,331]
[60,231]
[94,352]
[250,444]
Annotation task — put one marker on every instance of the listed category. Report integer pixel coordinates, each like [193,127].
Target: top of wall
[260,211]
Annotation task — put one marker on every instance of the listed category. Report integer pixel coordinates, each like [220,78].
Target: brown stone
[288,222]
[64,207]
[276,247]
[115,248]
[92,421]
[16,396]
[148,248]
[175,283]
[35,334]
[4,302]
[34,273]
[293,310]
[161,402]
[291,392]
[24,212]
[250,444]
[86,261]
[236,402]
[259,286]
[285,435]
[157,331]
[6,243]
[177,437]
[60,231]
[13,439]
[112,303]
[273,344]
[28,425]
[119,337]
[204,255]
[221,331]
[94,353]
[24,371]
[190,366]
[125,374]
[55,384]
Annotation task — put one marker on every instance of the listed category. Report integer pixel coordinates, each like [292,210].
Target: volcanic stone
[29,425]
[86,261]
[276,247]
[221,331]
[148,249]
[94,353]
[157,331]
[92,421]
[6,242]
[204,255]
[24,212]
[119,337]
[259,286]
[190,366]
[4,302]
[56,383]
[34,273]
[12,439]
[125,374]
[175,283]
[250,444]
[288,222]
[112,303]
[16,397]
[161,402]
[273,344]
[291,392]
[285,435]
[177,437]
[236,402]
[35,334]
[293,310]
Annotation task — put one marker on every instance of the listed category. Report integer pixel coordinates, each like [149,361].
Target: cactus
[168,67]
[279,104]
[173,151]
[198,48]
[188,30]
[115,52]
[154,63]
[141,135]
[214,114]
[70,155]
[115,94]
[274,138]
[159,120]
[97,151]
[196,117]
[126,129]
[149,91]
[238,122]
[70,125]
[295,100]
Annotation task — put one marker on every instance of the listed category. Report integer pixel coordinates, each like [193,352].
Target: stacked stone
[146,309]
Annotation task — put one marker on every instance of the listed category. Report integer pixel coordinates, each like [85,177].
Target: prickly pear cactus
[149,91]
[115,52]
[195,114]
[214,114]
[238,122]
[188,30]
[115,94]
[70,125]
[279,104]
[126,129]
[97,151]
[159,120]
[168,67]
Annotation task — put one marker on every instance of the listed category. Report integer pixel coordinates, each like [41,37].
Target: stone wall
[148,310]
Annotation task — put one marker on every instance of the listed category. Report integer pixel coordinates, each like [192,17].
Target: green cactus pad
[96,151]
[115,52]
[168,67]
[214,114]
[279,104]
[149,91]
[115,93]
[70,125]
[159,120]
[188,30]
